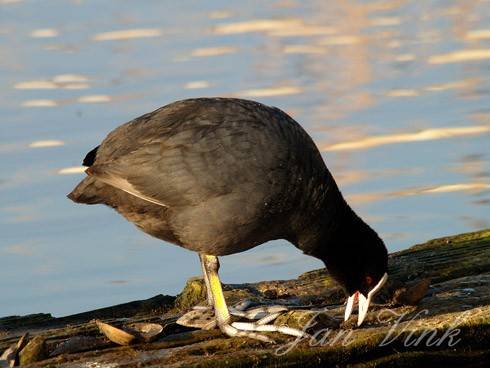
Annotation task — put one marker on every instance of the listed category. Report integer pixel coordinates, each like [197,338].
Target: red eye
[369,280]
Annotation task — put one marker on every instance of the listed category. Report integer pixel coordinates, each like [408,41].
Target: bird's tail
[86,191]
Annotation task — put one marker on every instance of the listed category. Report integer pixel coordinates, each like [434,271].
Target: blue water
[394,93]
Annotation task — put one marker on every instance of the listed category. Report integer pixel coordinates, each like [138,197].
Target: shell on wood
[135,332]
[115,334]
[146,331]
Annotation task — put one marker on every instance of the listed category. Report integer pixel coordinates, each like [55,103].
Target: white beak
[363,301]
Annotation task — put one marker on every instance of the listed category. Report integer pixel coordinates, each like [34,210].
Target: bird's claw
[254,326]
[203,317]
[233,331]
[258,312]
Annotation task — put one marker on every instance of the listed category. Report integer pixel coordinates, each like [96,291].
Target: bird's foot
[233,331]
[203,317]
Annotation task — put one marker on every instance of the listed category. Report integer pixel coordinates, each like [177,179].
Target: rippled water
[396,95]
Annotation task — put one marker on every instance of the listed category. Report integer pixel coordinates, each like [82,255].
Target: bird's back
[214,175]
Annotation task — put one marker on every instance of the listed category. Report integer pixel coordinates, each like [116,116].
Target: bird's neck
[336,230]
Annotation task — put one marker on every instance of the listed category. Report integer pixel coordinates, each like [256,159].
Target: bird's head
[359,264]
[363,283]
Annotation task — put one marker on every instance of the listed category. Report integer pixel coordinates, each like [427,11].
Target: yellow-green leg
[223,318]
[206,281]
[200,317]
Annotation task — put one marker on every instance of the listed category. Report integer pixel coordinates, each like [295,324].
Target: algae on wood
[450,325]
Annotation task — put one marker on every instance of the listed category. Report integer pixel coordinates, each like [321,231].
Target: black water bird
[219,176]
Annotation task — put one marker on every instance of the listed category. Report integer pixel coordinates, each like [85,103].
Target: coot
[221,175]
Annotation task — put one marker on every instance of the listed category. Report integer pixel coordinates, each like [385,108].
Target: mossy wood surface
[447,325]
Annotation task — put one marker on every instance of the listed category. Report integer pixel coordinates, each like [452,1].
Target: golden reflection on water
[40,103]
[86,99]
[214,51]
[476,187]
[458,187]
[72,170]
[257,25]
[346,177]
[44,33]
[46,143]
[467,83]
[10,1]
[402,93]
[220,14]
[127,34]
[197,84]
[342,40]
[70,78]
[94,99]
[385,21]
[460,56]
[46,84]
[402,58]
[304,49]
[63,81]
[424,135]
[478,34]
[36,84]
[270,91]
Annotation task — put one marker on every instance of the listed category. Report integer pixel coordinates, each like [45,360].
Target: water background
[395,94]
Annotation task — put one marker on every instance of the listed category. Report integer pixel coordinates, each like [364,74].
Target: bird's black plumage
[220,176]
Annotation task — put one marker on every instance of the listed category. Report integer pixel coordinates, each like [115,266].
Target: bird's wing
[109,175]
[193,165]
